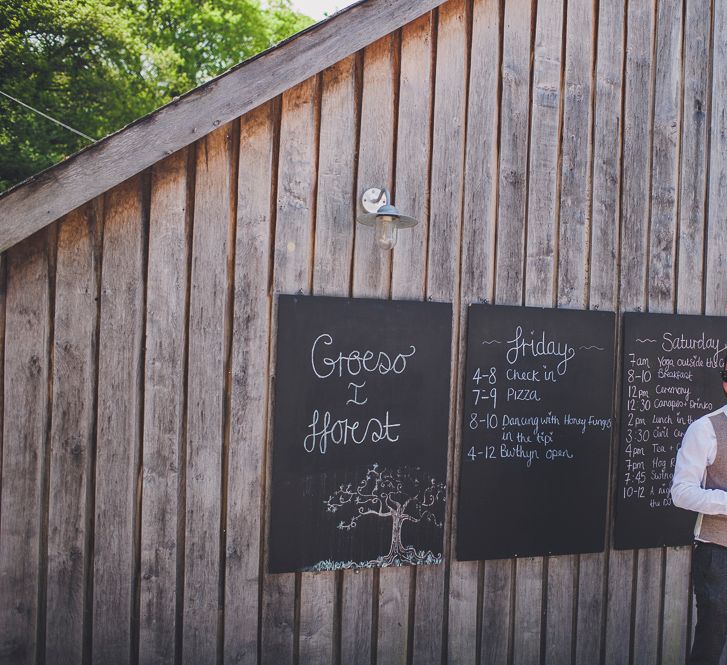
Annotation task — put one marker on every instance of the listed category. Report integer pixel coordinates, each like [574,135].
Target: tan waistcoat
[714,527]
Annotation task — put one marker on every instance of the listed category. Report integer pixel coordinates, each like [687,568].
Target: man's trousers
[709,576]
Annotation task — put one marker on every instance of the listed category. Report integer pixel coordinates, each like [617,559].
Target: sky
[317,9]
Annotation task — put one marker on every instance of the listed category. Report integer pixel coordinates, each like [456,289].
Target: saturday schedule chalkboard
[536,432]
[360,430]
[671,366]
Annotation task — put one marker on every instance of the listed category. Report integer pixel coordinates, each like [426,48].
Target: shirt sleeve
[696,452]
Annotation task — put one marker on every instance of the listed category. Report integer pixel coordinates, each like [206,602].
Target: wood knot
[34,365]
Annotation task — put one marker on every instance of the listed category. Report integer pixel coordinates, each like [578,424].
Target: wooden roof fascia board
[49,195]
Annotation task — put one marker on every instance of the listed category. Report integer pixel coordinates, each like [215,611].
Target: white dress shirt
[696,453]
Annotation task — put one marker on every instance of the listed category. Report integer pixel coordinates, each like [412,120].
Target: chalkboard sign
[671,377]
[536,432]
[359,461]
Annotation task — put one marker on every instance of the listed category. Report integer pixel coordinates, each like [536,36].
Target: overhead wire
[45,115]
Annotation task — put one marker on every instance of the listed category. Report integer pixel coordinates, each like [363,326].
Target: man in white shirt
[700,484]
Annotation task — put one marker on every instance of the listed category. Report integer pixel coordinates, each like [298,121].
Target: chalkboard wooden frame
[534,499]
[360,433]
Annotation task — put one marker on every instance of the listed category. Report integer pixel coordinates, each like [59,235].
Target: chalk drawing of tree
[403,495]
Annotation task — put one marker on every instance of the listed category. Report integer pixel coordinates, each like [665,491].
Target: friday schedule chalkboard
[360,429]
[536,432]
[671,366]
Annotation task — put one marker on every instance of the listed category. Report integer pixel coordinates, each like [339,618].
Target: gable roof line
[47,196]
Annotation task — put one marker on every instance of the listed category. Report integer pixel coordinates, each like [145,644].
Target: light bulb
[385,231]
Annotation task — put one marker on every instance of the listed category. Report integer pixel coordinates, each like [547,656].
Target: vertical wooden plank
[590,592]
[575,171]
[371,278]
[356,617]
[715,286]
[443,260]
[574,228]
[372,267]
[331,276]
[509,277]
[72,435]
[413,150]
[292,272]
[497,594]
[514,121]
[394,583]
[619,610]
[462,620]
[249,399]
[661,220]
[118,430]
[335,203]
[296,189]
[677,601]
[163,408]
[647,609]
[693,167]
[638,112]
[450,107]
[562,570]
[24,444]
[662,274]
[477,283]
[665,157]
[481,166]
[602,271]
[540,185]
[693,177]
[543,180]
[607,136]
[205,395]
[528,609]
[599,594]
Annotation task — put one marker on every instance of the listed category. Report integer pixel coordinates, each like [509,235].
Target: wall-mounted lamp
[383,216]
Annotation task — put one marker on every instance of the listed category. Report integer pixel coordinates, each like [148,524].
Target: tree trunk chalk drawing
[406,495]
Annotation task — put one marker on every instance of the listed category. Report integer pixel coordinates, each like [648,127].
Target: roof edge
[50,194]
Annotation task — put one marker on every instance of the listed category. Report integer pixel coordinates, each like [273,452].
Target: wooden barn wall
[559,154]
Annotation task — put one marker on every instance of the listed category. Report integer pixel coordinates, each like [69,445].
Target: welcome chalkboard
[536,432]
[359,461]
[671,366]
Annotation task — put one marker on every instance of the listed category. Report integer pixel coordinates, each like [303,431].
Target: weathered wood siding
[558,154]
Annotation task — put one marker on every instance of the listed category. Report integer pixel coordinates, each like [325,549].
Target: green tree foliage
[99,64]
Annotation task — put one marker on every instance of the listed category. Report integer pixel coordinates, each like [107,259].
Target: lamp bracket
[373,198]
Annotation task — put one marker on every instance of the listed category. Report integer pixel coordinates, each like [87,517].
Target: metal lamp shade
[401,221]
